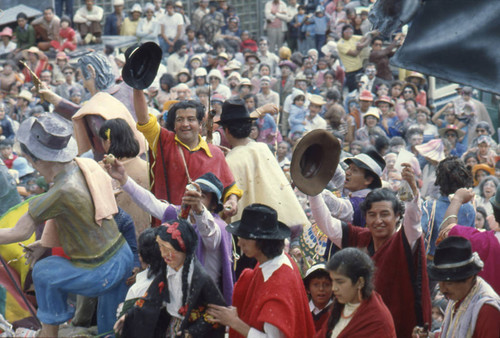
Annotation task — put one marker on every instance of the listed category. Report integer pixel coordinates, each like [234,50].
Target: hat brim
[364,166]
[25,137]
[314,161]
[281,232]
[206,188]
[444,130]
[452,274]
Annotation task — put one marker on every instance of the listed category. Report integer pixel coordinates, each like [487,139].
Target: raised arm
[413,209]
[330,226]
[462,196]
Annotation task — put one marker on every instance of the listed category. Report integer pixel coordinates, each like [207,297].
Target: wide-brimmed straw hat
[451,127]
[49,138]
[454,260]
[259,221]
[314,161]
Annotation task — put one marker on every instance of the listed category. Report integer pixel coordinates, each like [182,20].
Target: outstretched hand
[116,170]
[408,175]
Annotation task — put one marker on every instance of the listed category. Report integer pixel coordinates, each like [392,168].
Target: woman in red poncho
[358,310]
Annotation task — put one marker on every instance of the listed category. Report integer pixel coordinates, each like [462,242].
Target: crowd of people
[158,179]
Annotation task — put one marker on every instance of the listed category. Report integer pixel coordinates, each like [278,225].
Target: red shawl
[371,319]
[400,277]
[280,301]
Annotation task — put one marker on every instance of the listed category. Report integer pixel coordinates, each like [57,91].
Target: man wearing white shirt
[313,120]
[88,22]
[171,28]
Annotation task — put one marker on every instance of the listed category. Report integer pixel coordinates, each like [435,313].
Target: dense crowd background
[319,63]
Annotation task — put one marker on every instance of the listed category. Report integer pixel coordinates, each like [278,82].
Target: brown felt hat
[314,161]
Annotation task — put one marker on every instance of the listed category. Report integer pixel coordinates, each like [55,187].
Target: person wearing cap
[313,120]
[87,20]
[484,153]
[171,26]
[483,128]
[6,45]
[22,109]
[47,28]
[200,78]
[232,31]
[370,127]
[266,95]
[270,299]
[474,307]
[130,23]
[100,260]
[398,252]
[318,285]
[114,20]
[214,248]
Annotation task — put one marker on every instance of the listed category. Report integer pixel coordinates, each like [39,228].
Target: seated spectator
[66,41]
[297,116]
[88,22]
[171,25]
[76,94]
[63,89]
[24,33]
[423,119]
[7,154]
[480,172]
[483,128]
[484,153]
[129,25]
[370,121]
[9,76]
[313,119]
[247,42]
[114,20]
[178,59]
[453,134]
[6,124]
[6,45]
[46,28]
[62,60]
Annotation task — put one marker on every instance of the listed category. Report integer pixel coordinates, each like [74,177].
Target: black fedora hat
[49,138]
[234,110]
[370,160]
[259,221]
[314,161]
[454,260]
[141,65]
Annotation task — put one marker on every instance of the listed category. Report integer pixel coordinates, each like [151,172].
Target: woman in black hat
[183,285]
[271,298]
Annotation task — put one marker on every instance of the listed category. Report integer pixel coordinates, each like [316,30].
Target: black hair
[333,94]
[178,45]
[150,251]
[451,175]
[299,97]
[121,136]
[172,113]
[264,65]
[412,89]
[397,83]
[354,264]
[190,240]
[483,212]
[49,8]
[377,38]
[255,100]
[169,80]
[25,150]
[239,129]
[22,15]
[381,143]
[190,28]
[66,18]
[220,43]
[270,247]
[320,273]
[383,194]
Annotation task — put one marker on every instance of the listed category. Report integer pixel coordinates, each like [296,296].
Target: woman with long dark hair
[118,139]
[358,310]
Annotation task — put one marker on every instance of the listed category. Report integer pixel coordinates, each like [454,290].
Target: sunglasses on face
[408,91]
